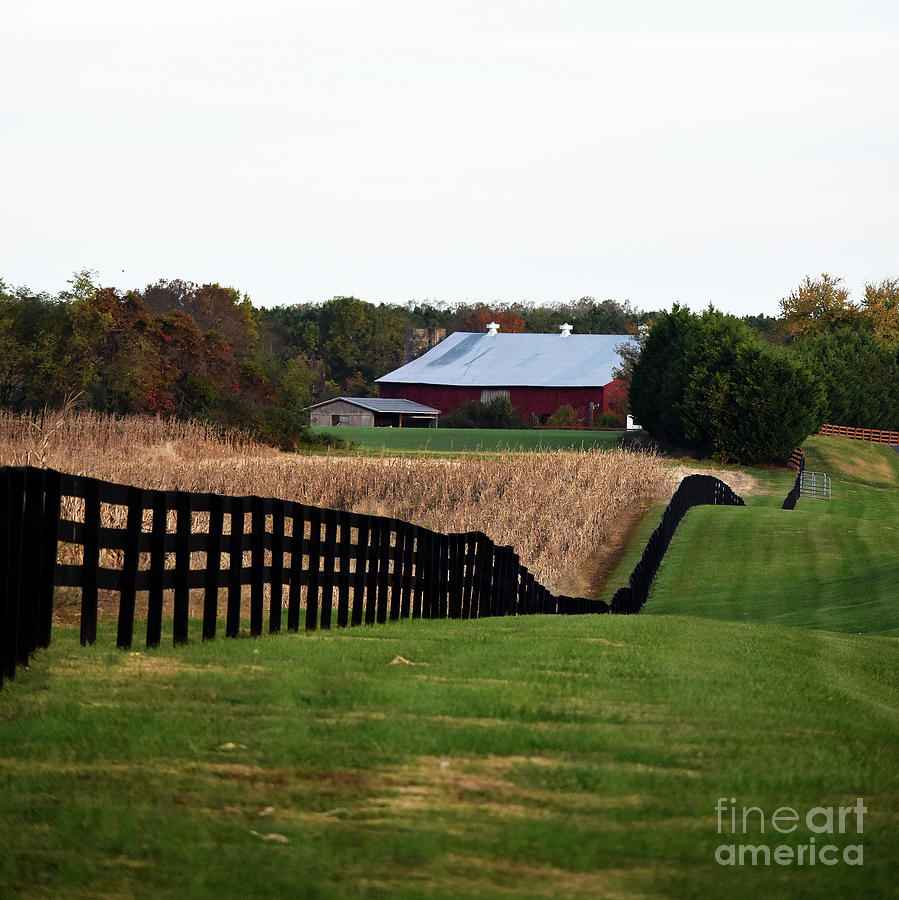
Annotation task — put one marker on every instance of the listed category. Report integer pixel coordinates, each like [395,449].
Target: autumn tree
[479,316]
[109,354]
[819,305]
[881,306]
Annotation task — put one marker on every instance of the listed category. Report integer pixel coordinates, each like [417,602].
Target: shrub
[498,413]
[608,420]
[710,384]
[859,374]
[564,417]
[661,373]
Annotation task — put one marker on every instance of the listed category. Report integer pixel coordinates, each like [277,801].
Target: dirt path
[603,563]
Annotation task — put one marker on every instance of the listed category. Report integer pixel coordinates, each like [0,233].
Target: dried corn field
[557,509]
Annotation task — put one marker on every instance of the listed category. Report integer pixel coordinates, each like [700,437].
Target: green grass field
[827,564]
[562,757]
[537,757]
[468,440]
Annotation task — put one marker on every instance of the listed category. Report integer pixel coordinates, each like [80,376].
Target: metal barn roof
[515,360]
[377,404]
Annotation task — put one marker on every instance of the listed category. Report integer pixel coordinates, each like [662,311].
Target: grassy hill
[575,757]
[827,564]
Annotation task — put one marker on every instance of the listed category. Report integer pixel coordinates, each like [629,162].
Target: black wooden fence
[797,461]
[325,566]
[694,490]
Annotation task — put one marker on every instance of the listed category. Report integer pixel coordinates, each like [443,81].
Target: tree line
[713,385]
[175,348]
[205,352]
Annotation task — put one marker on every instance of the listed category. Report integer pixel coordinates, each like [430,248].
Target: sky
[452,150]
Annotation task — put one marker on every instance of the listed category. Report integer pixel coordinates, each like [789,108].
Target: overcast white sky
[452,149]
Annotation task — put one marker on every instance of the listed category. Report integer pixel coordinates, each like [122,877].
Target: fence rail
[694,490]
[322,565]
[875,435]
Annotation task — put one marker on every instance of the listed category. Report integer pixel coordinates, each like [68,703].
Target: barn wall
[526,401]
[543,401]
[614,398]
[365,419]
[437,396]
[355,414]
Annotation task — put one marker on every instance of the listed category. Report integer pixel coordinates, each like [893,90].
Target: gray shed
[373,412]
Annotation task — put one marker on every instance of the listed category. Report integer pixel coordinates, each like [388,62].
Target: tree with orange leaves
[481,316]
[818,306]
[881,306]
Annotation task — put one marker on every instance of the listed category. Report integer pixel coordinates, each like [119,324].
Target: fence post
[501,584]
[343,581]
[30,586]
[431,605]
[257,563]
[514,582]
[456,551]
[315,548]
[400,530]
[15,505]
[521,600]
[374,568]
[418,582]
[6,606]
[362,559]
[125,634]
[485,579]
[49,544]
[235,567]
[182,567]
[213,566]
[329,557]
[91,561]
[501,581]
[276,588]
[383,581]
[425,561]
[157,568]
[297,535]
[468,589]
[443,574]
[409,532]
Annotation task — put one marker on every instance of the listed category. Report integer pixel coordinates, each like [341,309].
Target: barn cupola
[565,330]
[492,328]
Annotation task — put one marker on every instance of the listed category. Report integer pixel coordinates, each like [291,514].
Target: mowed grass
[575,757]
[469,440]
[826,564]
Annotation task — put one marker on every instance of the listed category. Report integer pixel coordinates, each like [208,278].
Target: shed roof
[515,360]
[381,405]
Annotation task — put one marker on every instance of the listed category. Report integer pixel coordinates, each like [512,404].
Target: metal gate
[815,485]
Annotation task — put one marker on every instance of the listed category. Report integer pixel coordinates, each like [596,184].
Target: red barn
[537,372]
